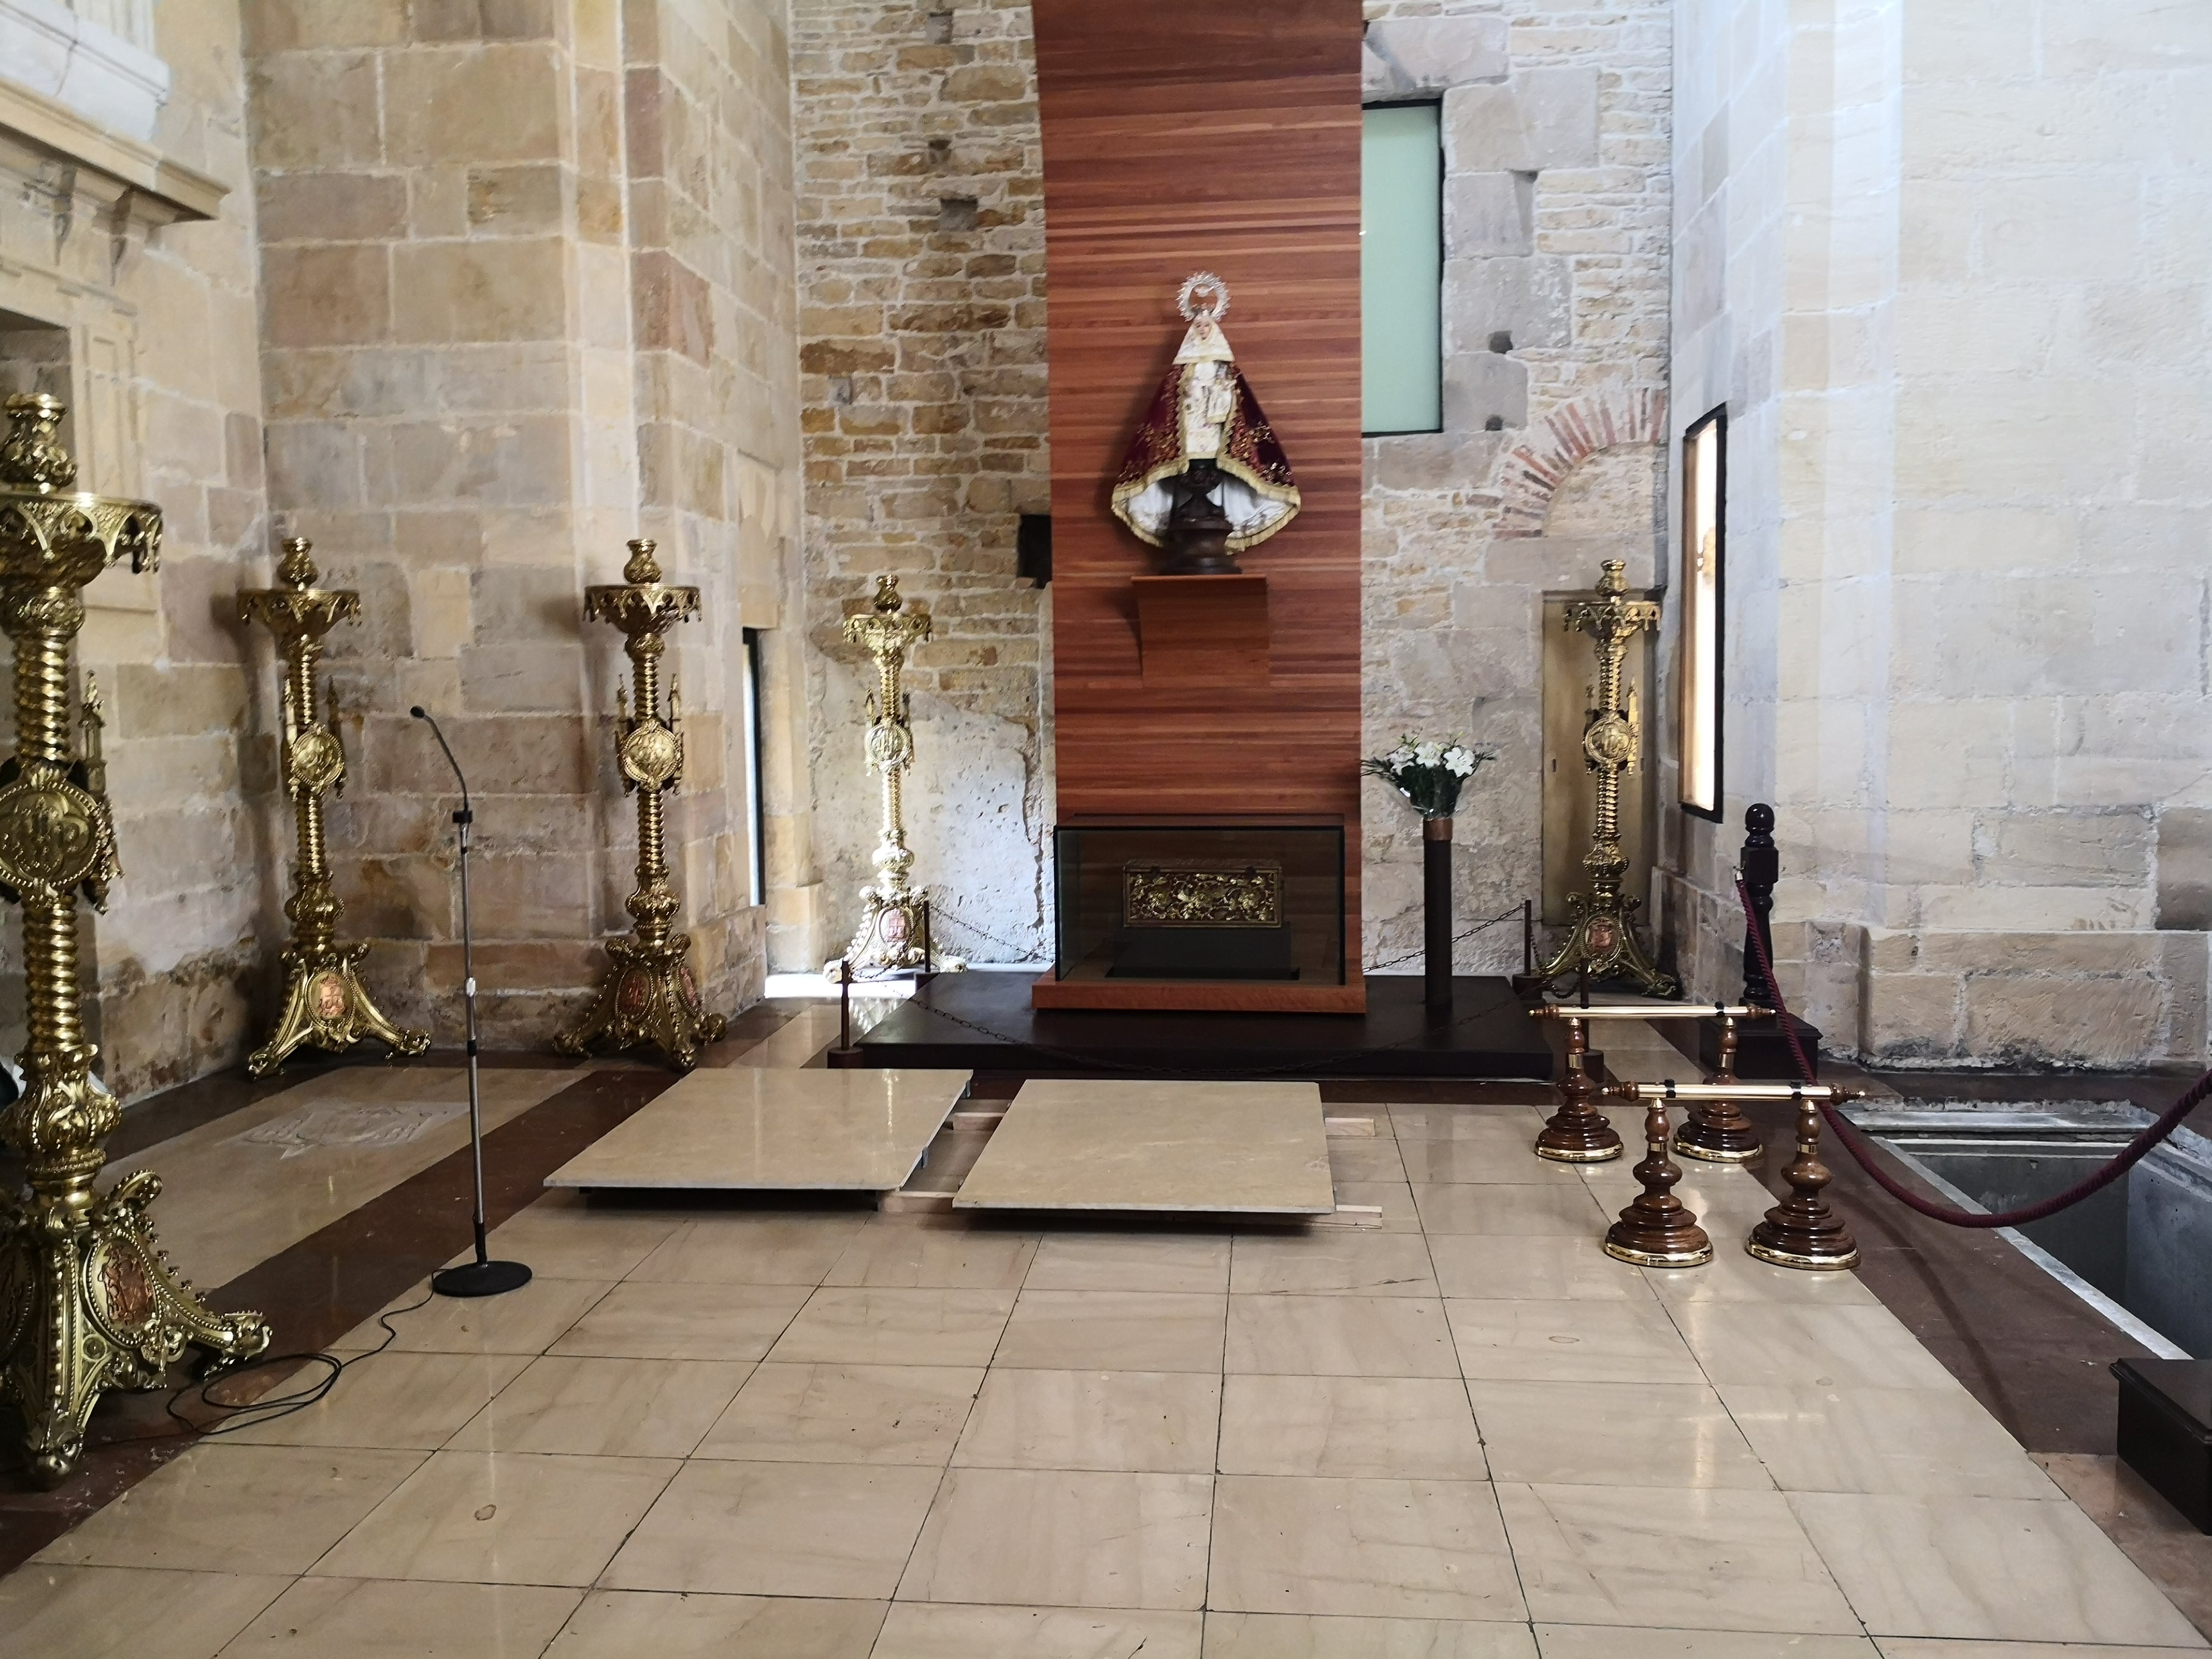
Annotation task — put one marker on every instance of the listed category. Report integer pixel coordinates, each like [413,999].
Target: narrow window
[1703,588]
[1401,270]
[756,840]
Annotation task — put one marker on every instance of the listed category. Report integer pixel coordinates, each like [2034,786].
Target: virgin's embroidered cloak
[1258,492]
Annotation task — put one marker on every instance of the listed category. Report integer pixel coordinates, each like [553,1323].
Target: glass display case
[1240,903]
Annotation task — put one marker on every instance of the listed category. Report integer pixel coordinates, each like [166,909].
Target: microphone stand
[483,1277]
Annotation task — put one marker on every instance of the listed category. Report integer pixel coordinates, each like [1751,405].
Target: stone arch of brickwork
[1570,435]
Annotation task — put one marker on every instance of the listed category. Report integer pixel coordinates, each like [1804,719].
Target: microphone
[484,1276]
[465,816]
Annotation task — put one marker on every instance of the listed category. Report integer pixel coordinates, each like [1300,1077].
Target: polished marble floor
[825,1433]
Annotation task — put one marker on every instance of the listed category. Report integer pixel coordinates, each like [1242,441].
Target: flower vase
[1437,903]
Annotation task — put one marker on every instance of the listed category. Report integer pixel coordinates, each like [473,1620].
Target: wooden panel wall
[1224,135]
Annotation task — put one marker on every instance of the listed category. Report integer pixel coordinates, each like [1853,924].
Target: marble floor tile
[1612,1434]
[828,1529]
[1414,1427]
[1162,1422]
[1503,1154]
[1055,1538]
[1991,1568]
[2151,1531]
[1393,1198]
[379,1618]
[1114,1330]
[592,1408]
[684,1322]
[1479,1122]
[928,1630]
[1609,1641]
[1500,1266]
[1303,1635]
[1570,1342]
[563,1236]
[896,1327]
[1733,1275]
[920,1253]
[1922,1441]
[828,1413]
[237,1509]
[1909,1647]
[525,1321]
[1354,1263]
[633,1624]
[97,1612]
[502,1518]
[752,1249]
[1187,1263]
[1338,1336]
[1563,1210]
[1787,1345]
[399,1400]
[1208,1148]
[1387,1548]
[1692,1560]
[755,1128]
[1364,1160]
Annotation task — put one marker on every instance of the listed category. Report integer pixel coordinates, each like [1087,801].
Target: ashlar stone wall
[145,323]
[921,273]
[1939,258]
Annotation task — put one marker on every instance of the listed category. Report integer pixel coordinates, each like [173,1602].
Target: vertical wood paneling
[1224,135]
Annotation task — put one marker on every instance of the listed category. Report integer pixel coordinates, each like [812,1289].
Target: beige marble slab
[755,1128]
[924,1630]
[371,1619]
[95,1612]
[254,1182]
[1306,1635]
[1203,1148]
[624,1624]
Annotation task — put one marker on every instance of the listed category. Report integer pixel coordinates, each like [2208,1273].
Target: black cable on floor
[251,1413]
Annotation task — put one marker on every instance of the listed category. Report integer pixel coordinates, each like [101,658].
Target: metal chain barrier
[1862,1150]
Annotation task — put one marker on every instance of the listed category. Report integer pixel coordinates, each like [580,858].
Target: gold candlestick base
[649,994]
[88,1301]
[326,1005]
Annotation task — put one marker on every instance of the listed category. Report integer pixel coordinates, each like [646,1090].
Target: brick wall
[921,358]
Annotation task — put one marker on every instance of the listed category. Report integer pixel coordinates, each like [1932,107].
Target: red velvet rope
[1858,1146]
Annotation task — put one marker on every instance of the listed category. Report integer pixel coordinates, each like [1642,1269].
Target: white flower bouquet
[1427,773]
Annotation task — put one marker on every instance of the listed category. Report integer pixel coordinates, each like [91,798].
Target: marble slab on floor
[1200,1148]
[744,1128]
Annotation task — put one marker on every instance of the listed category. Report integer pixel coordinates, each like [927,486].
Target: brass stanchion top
[49,533]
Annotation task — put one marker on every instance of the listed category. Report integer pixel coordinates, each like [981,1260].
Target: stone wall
[922,275]
[1556,262]
[526,279]
[1947,271]
[144,321]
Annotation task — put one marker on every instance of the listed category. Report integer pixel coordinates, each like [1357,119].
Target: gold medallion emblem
[53,835]
[651,755]
[317,761]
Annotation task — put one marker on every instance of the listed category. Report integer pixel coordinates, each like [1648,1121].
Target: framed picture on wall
[1703,588]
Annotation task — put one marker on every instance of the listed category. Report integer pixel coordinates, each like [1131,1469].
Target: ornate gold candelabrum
[1603,942]
[324,1002]
[892,935]
[649,994]
[87,1301]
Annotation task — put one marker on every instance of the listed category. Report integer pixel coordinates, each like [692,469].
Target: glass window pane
[1402,251]
[1704,483]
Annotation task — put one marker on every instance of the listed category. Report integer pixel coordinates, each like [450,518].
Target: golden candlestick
[1603,942]
[88,1301]
[324,1002]
[892,934]
[649,994]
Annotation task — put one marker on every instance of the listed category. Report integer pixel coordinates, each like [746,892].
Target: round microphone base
[480,1278]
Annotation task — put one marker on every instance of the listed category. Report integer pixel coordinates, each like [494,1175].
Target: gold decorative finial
[33,458]
[295,569]
[643,569]
[887,601]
